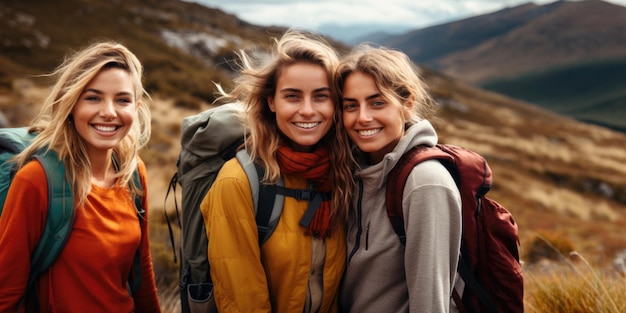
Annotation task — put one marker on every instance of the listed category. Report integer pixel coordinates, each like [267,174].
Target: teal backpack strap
[60,218]
[134,278]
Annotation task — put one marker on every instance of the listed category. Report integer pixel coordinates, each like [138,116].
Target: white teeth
[369,132]
[105,128]
[306,125]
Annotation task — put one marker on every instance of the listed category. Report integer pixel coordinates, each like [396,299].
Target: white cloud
[314,13]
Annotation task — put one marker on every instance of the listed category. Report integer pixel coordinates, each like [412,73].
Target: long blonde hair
[257,82]
[56,131]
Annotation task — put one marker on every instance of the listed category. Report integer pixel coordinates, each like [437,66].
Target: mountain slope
[182,45]
[554,173]
[430,44]
[541,54]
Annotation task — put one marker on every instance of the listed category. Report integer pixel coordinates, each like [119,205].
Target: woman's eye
[321,96]
[378,103]
[124,100]
[349,106]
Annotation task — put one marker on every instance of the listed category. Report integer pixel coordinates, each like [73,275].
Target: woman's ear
[409,108]
[270,104]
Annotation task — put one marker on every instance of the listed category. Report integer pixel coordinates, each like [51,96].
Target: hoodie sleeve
[432,210]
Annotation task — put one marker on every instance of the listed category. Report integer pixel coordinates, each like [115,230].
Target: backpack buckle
[304,194]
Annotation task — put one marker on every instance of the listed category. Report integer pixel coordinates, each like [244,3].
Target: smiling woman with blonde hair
[289,105]
[95,119]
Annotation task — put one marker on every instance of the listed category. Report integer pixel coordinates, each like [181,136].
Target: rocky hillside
[183,46]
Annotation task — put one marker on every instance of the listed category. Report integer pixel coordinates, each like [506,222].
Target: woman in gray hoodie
[384,107]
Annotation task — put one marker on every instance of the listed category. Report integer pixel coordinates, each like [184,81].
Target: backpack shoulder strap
[395,186]
[61,213]
[60,219]
[268,203]
[397,179]
[269,198]
[134,279]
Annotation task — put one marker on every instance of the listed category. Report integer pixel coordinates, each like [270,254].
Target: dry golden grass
[574,286]
[169,298]
[545,159]
[574,290]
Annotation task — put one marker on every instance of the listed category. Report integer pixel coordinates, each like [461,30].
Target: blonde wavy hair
[257,82]
[56,131]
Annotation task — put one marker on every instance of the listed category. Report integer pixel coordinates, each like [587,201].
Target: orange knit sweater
[91,272]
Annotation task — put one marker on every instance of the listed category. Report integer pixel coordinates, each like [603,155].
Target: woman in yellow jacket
[288,98]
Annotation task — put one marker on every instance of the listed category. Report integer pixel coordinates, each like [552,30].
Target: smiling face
[303,104]
[105,110]
[374,123]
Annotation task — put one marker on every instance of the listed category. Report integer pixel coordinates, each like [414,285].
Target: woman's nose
[108,109]
[307,107]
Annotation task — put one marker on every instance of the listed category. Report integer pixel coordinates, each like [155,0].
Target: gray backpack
[208,140]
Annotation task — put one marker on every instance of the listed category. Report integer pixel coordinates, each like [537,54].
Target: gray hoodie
[381,275]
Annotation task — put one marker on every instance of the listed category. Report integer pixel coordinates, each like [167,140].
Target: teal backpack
[61,210]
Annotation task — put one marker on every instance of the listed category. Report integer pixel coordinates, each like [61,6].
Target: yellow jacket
[273,278]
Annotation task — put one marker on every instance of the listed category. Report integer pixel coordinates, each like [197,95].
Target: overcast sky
[314,13]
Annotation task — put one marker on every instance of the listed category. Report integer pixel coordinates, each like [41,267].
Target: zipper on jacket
[367,236]
[359,215]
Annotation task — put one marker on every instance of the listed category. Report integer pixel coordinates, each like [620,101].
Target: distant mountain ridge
[352,34]
[565,56]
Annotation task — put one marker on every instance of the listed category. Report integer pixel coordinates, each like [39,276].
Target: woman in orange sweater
[95,119]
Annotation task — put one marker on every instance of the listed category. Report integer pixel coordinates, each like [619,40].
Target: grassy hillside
[593,91]
[553,173]
[36,34]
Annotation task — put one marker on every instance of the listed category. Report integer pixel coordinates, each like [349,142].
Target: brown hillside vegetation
[182,45]
[552,172]
[563,180]
[559,177]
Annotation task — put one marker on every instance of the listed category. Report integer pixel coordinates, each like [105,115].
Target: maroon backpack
[489,262]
